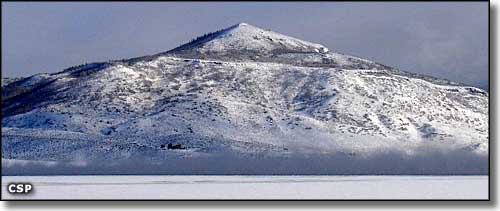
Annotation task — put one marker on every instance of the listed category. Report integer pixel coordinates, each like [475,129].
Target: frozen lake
[251,187]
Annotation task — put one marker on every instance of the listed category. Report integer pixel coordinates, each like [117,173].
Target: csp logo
[19,188]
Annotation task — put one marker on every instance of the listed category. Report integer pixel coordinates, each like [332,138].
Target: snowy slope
[245,37]
[241,90]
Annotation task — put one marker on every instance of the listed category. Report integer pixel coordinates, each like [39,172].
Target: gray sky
[446,40]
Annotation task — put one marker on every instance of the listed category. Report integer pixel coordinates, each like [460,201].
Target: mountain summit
[246,38]
[244,42]
[251,93]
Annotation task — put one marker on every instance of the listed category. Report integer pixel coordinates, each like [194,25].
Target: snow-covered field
[251,187]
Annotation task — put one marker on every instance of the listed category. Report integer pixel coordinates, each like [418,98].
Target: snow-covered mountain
[248,92]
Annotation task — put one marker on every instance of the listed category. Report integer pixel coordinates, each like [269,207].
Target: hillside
[250,94]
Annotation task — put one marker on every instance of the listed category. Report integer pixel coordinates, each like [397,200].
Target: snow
[246,36]
[245,42]
[353,111]
[252,187]
[347,112]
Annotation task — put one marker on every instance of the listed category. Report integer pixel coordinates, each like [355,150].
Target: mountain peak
[238,27]
[242,24]
[243,37]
